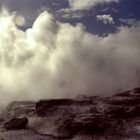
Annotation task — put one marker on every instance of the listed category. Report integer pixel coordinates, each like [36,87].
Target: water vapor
[58,60]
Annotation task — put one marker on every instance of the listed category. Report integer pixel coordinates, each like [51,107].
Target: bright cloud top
[86,4]
[105,18]
[56,60]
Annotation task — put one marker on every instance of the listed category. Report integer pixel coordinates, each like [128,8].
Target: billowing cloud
[86,4]
[105,18]
[57,60]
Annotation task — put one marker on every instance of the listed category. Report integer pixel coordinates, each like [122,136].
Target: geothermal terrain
[83,118]
[54,50]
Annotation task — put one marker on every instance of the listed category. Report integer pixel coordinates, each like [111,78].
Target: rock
[71,116]
[46,107]
[94,126]
[16,123]
[89,116]
[18,108]
[70,126]
[118,112]
[123,94]
[67,127]
[137,90]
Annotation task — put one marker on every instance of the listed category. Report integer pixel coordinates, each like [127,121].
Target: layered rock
[91,115]
[114,116]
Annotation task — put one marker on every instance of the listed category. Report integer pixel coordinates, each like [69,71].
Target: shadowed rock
[91,115]
[45,107]
[116,115]
[16,123]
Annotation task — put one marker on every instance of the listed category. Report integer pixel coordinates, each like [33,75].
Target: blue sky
[123,12]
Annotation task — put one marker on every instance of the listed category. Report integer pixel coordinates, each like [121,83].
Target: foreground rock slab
[16,123]
[91,115]
[101,118]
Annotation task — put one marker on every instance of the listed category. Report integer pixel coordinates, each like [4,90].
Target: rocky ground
[83,118]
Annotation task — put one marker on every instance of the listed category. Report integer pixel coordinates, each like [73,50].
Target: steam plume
[57,60]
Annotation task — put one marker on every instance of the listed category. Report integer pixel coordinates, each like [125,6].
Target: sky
[64,48]
[99,16]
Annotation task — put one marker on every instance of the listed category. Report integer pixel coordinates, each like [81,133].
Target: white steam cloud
[82,4]
[105,18]
[57,60]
